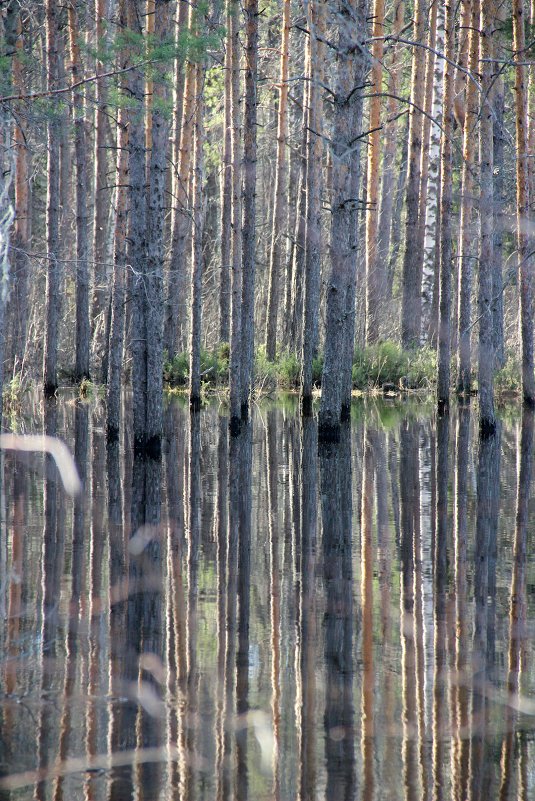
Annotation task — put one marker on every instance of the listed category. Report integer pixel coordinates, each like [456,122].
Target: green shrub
[509,377]
[288,371]
[387,363]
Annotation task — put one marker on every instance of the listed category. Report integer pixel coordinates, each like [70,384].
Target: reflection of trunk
[408,480]
[335,471]
[52,567]
[222,534]
[440,706]
[66,729]
[489,453]
[427,533]
[368,676]
[273,506]
[307,619]
[244,593]
[460,695]
[518,606]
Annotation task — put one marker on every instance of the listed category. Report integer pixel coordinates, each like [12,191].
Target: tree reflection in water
[256,619]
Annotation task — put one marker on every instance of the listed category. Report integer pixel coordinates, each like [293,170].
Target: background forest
[319,193]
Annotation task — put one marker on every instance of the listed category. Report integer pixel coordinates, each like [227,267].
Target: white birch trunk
[433,180]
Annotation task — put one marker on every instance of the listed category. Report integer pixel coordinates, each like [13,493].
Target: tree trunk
[176,305]
[53,272]
[444,325]
[120,259]
[467,225]
[412,279]
[22,228]
[99,300]
[525,259]
[430,162]
[298,259]
[138,233]
[375,283]
[500,201]
[487,422]
[316,25]
[159,130]
[81,369]
[350,59]
[226,200]
[236,340]
[249,201]
[390,143]
[197,252]
[280,198]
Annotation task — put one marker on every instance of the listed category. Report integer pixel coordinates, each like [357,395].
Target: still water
[257,619]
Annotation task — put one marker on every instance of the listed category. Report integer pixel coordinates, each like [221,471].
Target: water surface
[259,619]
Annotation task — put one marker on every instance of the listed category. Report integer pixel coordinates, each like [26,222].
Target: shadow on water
[254,618]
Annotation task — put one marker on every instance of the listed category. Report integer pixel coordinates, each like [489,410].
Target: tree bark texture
[350,65]
[226,199]
[375,271]
[498,103]
[249,201]
[525,259]
[446,191]
[411,299]
[197,250]
[236,341]
[316,26]
[53,269]
[280,198]
[81,368]
[487,423]
[467,224]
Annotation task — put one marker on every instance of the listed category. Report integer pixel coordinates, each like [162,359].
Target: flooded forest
[267,398]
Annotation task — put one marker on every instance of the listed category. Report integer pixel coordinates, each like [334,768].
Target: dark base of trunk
[112,435]
[463,398]
[245,411]
[50,390]
[529,401]
[487,427]
[306,405]
[443,406]
[194,403]
[345,412]
[328,432]
[235,426]
[150,448]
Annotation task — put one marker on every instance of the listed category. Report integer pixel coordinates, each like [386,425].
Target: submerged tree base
[150,447]
[328,432]
[235,426]
[487,427]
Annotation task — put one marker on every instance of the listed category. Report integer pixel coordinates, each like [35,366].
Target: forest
[326,194]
